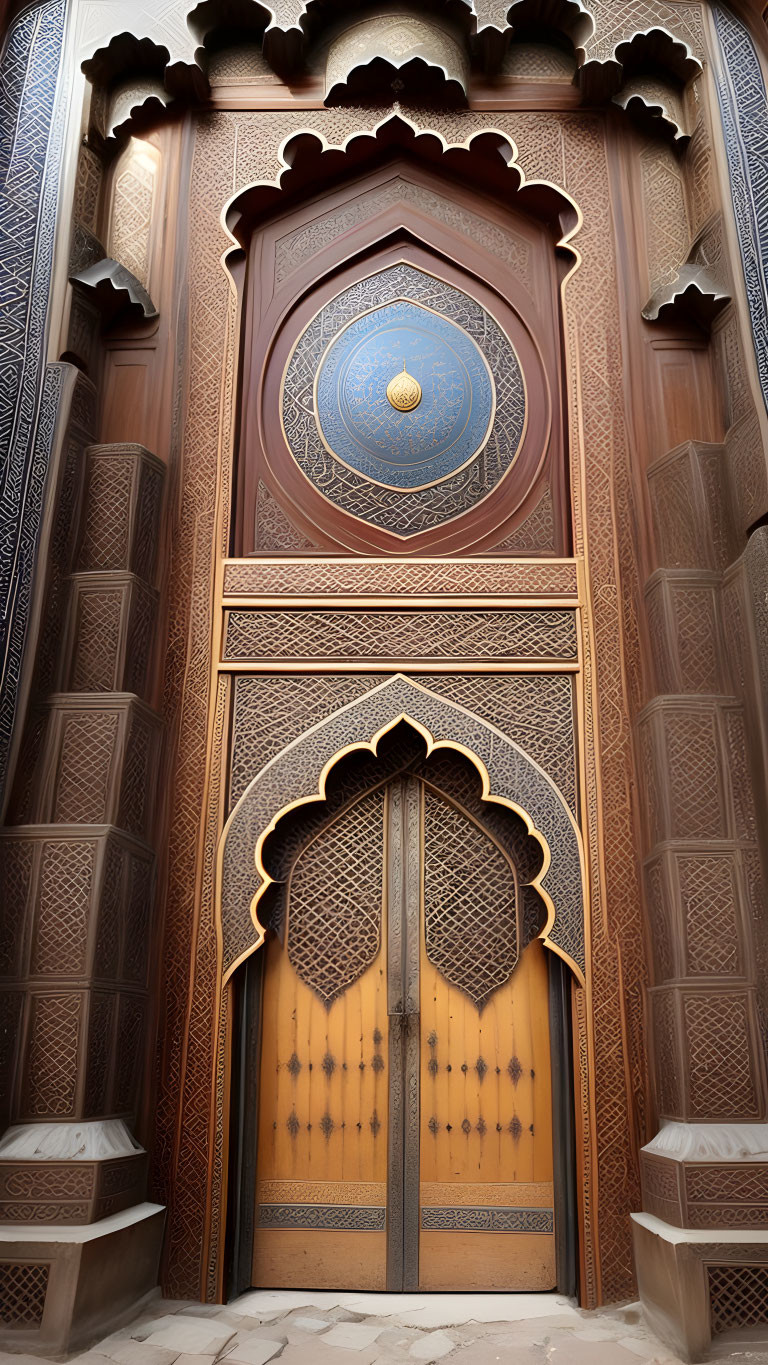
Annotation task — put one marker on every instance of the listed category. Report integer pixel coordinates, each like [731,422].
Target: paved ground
[384,1329]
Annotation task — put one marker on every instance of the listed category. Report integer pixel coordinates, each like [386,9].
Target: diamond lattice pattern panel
[335,900]
[22,1293]
[470,904]
[738,1295]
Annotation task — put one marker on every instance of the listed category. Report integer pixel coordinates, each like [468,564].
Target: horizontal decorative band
[517,1194]
[328,1217]
[355,1192]
[307,578]
[501,634]
[487,1220]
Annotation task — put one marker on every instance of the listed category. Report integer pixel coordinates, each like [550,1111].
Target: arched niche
[297,776]
[401,199]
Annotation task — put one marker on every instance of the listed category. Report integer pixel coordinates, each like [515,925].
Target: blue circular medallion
[421,429]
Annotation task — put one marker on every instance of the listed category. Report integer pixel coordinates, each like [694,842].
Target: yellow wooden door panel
[476,1157]
[486,1217]
[322,1152]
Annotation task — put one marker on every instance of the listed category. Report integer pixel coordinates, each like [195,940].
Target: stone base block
[694,1283]
[61,1288]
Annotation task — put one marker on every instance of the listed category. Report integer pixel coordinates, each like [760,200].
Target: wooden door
[405,1114]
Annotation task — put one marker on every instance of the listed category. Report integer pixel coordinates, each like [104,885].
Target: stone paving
[318,1328]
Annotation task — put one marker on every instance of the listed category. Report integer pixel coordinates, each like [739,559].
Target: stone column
[705,1175]
[78,869]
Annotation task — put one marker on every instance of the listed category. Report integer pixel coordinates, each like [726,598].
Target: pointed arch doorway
[403,1106]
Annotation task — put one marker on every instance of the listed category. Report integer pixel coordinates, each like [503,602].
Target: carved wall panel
[232,149]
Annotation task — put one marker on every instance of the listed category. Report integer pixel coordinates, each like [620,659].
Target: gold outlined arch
[399,714]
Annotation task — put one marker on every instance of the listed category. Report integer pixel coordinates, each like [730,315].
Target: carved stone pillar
[79,883]
[701,749]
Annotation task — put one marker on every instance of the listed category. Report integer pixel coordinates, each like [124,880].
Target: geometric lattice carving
[709,911]
[66,878]
[137,917]
[536,710]
[130,1050]
[693,775]
[719,1049]
[329,578]
[111,631]
[106,513]
[273,529]
[269,712]
[51,1078]
[738,1295]
[301,244]
[661,928]
[335,900]
[470,902]
[23,1288]
[121,511]
[15,879]
[98,637]
[107,950]
[536,534]
[87,750]
[664,201]
[100,1053]
[665,1047]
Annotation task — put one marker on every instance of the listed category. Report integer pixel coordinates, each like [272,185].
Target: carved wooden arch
[508,250]
[297,776]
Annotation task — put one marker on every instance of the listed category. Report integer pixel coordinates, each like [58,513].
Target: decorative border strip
[744,111]
[530,634]
[322,1217]
[484,1218]
[332,580]
[31,139]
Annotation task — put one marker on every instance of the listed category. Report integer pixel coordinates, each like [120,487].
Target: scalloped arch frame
[298,774]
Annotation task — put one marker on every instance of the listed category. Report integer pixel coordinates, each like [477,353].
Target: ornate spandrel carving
[274,529]
[300,245]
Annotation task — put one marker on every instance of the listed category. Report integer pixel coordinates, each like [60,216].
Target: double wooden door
[405,1112]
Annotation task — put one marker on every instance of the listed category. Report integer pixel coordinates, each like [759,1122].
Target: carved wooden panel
[380,635]
[396,577]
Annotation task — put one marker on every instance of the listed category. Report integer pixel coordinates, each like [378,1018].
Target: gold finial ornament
[404,392]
